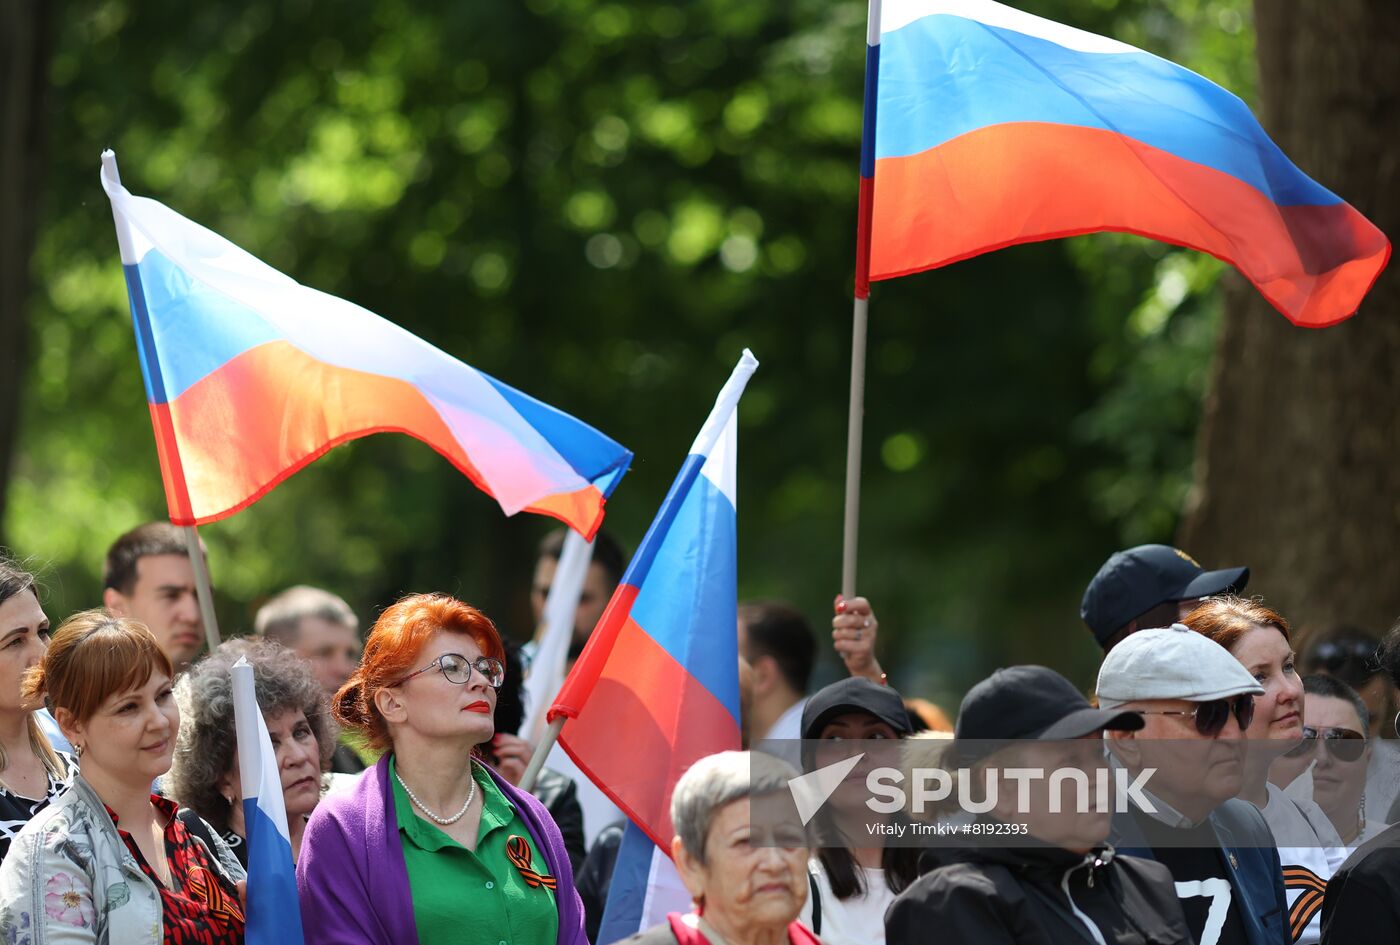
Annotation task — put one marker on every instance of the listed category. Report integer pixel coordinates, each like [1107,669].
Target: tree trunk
[1298,457]
[25,43]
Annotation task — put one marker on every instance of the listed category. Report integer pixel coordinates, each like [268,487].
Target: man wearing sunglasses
[1196,700]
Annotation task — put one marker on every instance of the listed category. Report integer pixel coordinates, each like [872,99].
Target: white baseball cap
[1173,662]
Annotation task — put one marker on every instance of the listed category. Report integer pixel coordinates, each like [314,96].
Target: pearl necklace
[444,821]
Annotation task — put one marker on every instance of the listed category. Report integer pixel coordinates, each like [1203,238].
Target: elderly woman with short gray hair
[741,851]
[204,777]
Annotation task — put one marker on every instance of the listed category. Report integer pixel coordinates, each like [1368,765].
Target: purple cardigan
[353,881]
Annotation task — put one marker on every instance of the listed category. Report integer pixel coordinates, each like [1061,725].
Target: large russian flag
[274,911]
[986,127]
[250,376]
[657,686]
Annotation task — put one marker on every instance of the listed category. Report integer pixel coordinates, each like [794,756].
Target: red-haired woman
[432,846]
[1309,848]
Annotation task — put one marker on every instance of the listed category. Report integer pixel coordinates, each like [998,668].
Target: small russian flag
[274,911]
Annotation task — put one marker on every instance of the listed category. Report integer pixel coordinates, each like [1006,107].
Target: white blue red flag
[661,669]
[274,912]
[250,376]
[986,126]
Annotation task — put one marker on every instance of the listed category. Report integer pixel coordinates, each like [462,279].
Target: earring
[78,751]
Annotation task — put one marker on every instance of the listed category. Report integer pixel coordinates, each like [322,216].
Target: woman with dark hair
[1308,844]
[31,773]
[108,861]
[1336,743]
[854,876]
[432,845]
[1351,654]
[204,777]
[1363,899]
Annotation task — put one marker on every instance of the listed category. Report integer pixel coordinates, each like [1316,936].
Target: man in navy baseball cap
[1150,586]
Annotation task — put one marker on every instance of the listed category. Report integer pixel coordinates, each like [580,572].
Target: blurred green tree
[1297,470]
[602,203]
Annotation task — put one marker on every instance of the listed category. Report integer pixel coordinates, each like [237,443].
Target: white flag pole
[193,546]
[546,672]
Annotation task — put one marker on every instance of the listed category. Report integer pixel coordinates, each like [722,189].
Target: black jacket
[1039,896]
[594,879]
[559,795]
[1246,842]
[1362,904]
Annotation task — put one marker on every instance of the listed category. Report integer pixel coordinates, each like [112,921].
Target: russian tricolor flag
[986,127]
[657,686]
[274,911]
[250,376]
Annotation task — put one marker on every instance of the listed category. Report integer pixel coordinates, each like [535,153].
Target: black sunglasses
[1341,743]
[1211,716]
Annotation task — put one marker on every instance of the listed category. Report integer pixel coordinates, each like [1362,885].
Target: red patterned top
[203,907]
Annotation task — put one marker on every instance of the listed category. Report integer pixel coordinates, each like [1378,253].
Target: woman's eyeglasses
[458,669]
[1211,716]
[1341,743]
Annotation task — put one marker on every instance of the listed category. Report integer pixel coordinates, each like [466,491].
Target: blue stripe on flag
[943,76]
[274,911]
[692,613]
[627,893]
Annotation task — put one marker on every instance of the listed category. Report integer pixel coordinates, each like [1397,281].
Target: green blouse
[465,897]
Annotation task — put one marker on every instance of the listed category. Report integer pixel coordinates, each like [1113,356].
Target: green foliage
[602,203]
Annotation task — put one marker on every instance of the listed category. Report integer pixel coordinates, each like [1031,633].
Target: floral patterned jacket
[69,878]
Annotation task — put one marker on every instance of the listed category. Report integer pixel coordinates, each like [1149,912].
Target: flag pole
[546,745]
[546,671]
[177,495]
[855,421]
[202,585]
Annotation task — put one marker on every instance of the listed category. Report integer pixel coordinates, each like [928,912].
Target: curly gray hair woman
[204,777]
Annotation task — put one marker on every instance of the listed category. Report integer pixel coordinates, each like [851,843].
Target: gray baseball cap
[1173,662]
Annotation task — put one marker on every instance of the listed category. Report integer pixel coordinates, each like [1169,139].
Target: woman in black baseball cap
[854,875]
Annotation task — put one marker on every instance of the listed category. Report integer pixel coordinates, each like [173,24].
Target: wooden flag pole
[542,750]
[203,586]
